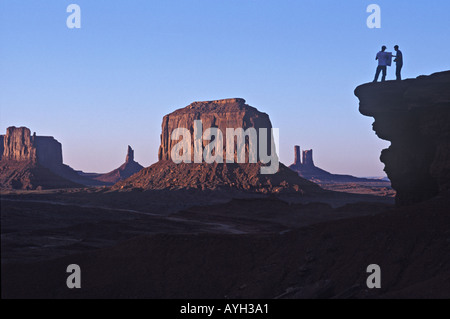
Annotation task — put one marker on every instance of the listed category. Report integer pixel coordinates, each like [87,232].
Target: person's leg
[398,72]
[377,73]
[384,69]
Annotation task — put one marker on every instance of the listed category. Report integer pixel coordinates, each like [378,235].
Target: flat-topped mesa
[29,161]
[221,114]
[414,115]
[38,152]
[20,145]
[229,175]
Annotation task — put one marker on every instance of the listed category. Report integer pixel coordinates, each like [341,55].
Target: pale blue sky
[106,85]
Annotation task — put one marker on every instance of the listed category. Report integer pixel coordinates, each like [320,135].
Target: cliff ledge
[414,115]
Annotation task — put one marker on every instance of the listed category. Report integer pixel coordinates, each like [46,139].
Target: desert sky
[108,84]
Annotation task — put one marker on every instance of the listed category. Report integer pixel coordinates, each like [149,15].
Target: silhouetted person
[382,58]
[398,63]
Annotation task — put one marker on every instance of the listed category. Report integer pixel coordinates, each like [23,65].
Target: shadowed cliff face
[415,116]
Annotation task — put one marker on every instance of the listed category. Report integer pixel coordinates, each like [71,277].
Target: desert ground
[212,244]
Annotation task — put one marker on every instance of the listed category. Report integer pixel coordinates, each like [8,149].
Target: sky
[108,84]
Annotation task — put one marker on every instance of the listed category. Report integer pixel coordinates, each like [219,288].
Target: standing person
[382,58]
[398,63]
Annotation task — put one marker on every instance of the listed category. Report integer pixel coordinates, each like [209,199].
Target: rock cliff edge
[414,115]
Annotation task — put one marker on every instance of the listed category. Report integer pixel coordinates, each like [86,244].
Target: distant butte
[222,114]
[228,113]
[30,161]
[306,168]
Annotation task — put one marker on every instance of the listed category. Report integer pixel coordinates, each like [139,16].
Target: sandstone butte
[26,161]
[227,113]
[29,162]
[305,167]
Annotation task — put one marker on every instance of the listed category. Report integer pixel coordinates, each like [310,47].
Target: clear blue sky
[106,85]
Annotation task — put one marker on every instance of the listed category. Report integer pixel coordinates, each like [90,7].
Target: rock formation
[18,145]
[130,155]
[307,169]
[30,175]
[30,154]
[30,161]
[127,169]
[223,114]
[414,115]
[307,158]
[2,138]
[297,158]
[48,151]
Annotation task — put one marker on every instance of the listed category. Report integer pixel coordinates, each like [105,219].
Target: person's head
[396,48]
[383,48]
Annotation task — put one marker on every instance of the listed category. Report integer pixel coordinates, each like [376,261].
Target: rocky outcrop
[29,161]
[307,158]
[30,175]
[242,177]
[34,153]
[126,170]
[414,115]
[223,114]
[307,169]
[2,138]
[18,145]
[297,158]
[130,155]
